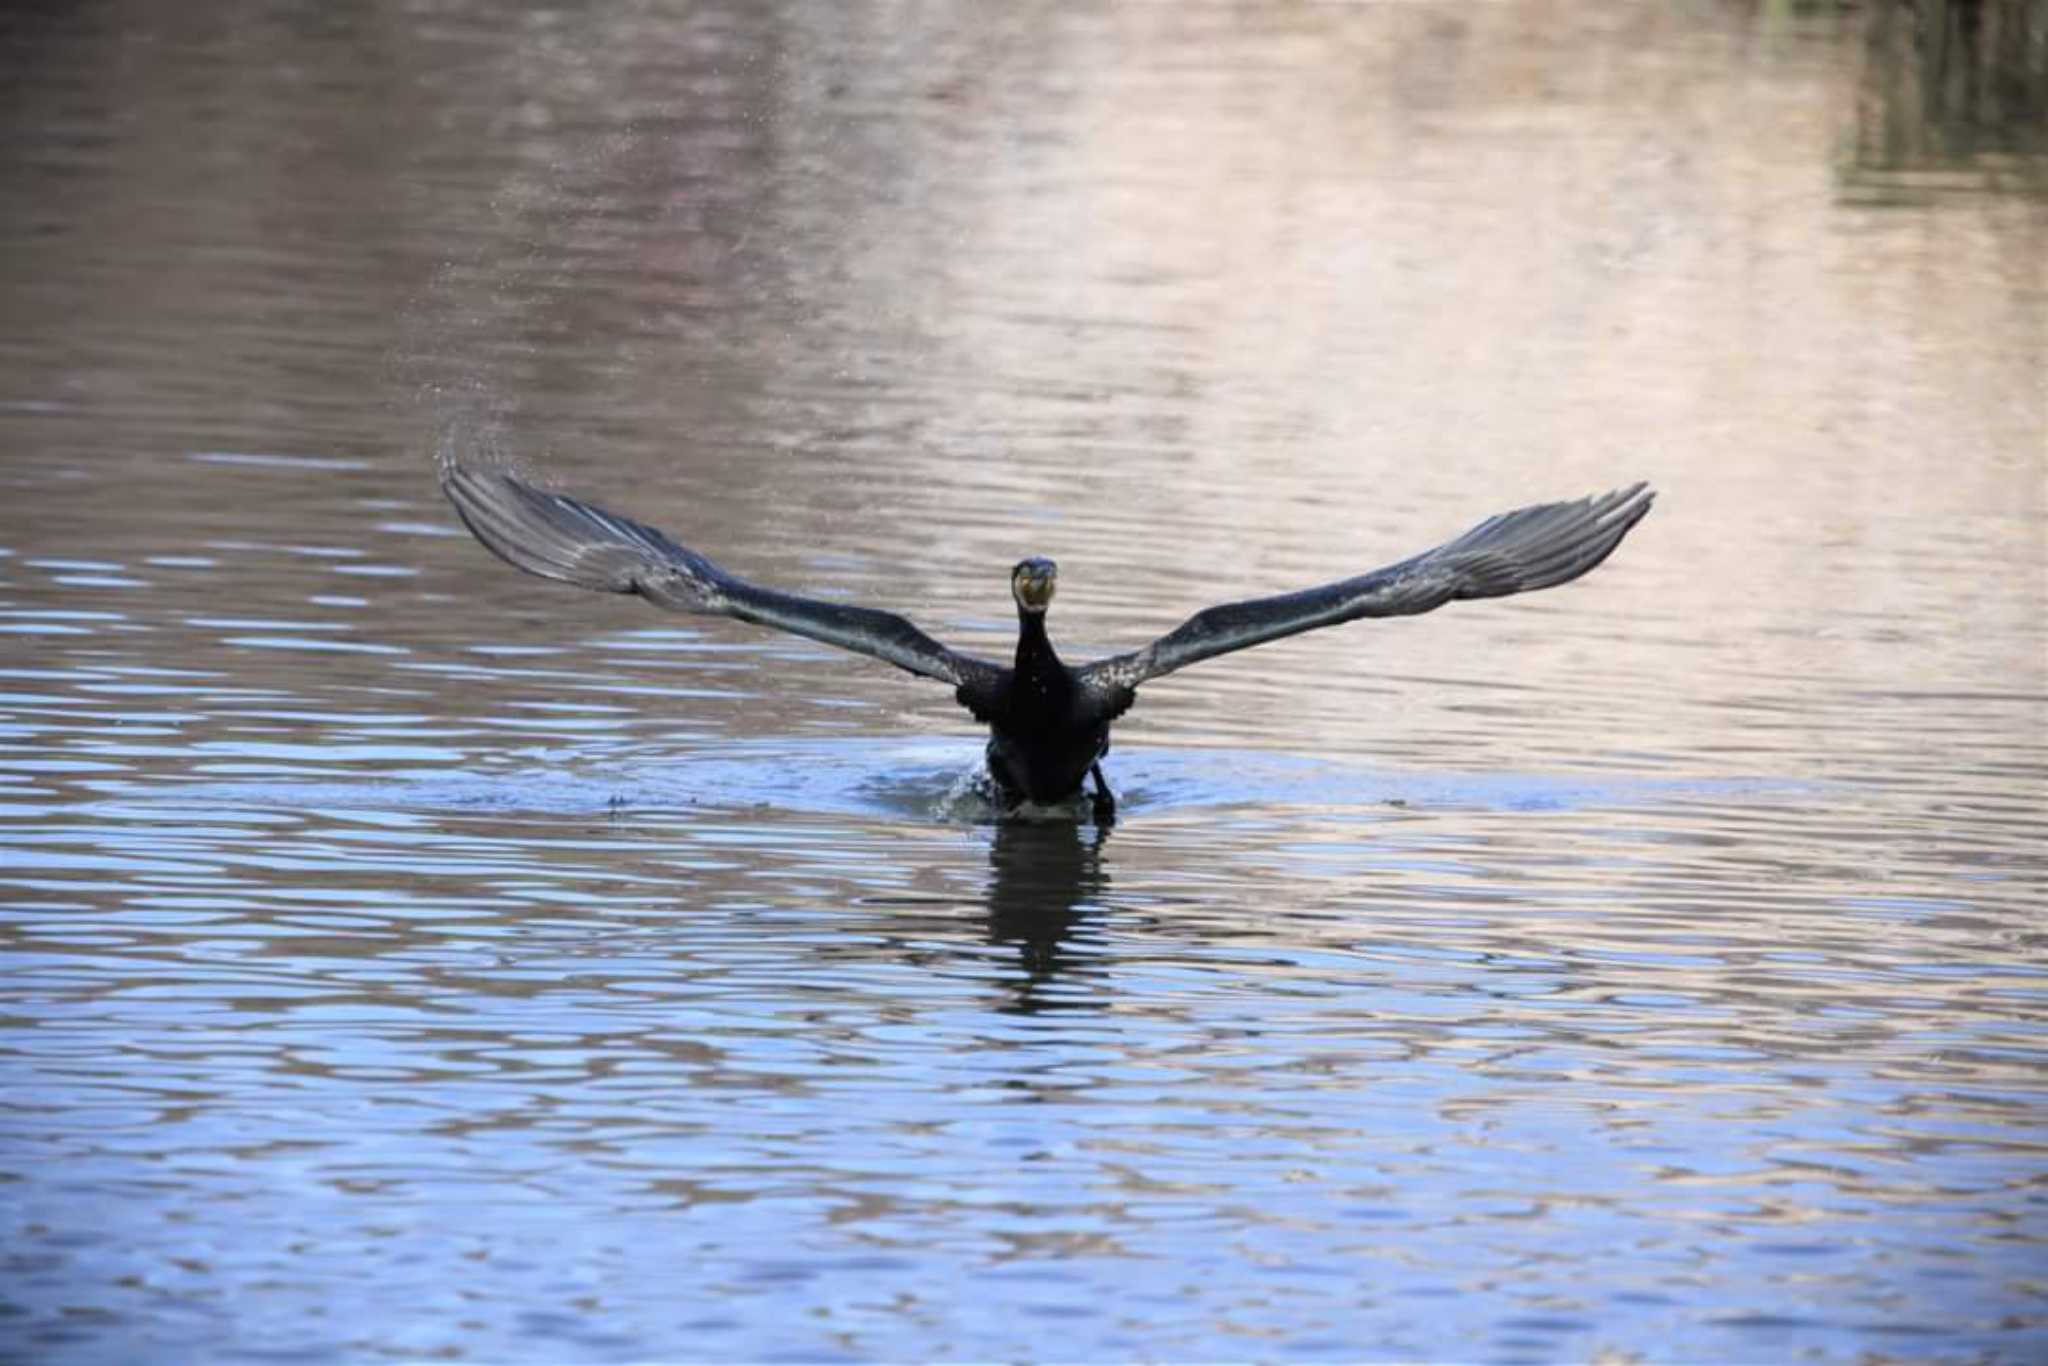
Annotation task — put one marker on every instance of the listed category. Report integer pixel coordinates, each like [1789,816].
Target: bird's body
[1048,721]
[1047,732]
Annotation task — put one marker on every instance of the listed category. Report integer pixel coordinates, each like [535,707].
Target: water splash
[941,781]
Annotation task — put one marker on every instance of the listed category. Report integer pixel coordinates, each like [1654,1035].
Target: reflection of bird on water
[1043,878]
[1048,722]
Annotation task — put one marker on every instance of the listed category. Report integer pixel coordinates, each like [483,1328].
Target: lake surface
[404,958]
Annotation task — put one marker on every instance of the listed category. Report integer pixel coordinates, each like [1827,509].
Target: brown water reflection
[403,957]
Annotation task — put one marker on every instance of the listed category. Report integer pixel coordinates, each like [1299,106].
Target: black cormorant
[1048,721]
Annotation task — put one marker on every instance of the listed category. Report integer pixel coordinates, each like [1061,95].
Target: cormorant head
[1032,582]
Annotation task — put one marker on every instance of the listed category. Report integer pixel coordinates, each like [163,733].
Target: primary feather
[1516,552]
[559,537]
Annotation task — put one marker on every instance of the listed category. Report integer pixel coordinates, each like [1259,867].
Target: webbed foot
[1104,801]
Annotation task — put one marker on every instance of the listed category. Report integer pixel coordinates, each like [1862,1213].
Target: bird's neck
[1036,659]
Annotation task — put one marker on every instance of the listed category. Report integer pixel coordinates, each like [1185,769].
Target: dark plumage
[1048,722]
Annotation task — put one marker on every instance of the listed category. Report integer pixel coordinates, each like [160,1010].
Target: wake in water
[943,781]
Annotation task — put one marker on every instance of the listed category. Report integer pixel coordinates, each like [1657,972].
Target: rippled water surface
[406,958]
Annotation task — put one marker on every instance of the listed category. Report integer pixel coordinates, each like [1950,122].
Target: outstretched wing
[1533,547]
[558,537]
